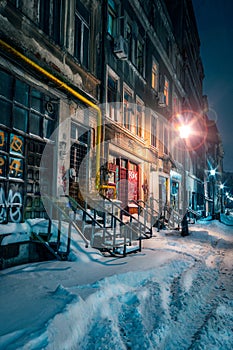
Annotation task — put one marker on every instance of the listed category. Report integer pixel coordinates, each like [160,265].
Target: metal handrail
[172,216]
[103,208]
[70,221]
[146,205]
[123,211]
[103,227]
[189,210]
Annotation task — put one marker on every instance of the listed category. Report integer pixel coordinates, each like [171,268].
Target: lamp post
[221,193]
[212,174]
[184,132]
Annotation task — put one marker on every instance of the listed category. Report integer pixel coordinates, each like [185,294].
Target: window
[153,130]
[129,39]
[82,29]
[112,15]
[51,19]
[25,108]
[160,134]
[112,97]
[154,75]
[128,110]
[175,106]
[165,140]
[166,91]
[6,85]
[44,15]
[139,118]
[58,28]
[16,3]
[139,56]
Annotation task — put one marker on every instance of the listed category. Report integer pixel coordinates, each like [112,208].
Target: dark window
[81,45]
[21,92]
[16,3]
[25,108]
[6,85]
[112,15]
[48,127]
[139,57]
[44,15]
[5,112]
[35,126]
[20,120]
[51,19]
[129,38]
[37,101]
[57,22]
[112,97]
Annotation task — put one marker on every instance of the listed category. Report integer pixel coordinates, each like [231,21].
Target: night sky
[214,21]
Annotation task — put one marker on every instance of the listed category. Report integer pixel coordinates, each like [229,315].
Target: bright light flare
[184,131]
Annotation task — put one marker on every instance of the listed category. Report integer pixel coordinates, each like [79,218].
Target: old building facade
[48,64]
[93,95]
[152,85]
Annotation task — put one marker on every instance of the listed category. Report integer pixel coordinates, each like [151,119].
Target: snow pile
[175,294]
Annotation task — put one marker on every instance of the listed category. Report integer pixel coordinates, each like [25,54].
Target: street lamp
[221,193]
[212,174]
[184,131]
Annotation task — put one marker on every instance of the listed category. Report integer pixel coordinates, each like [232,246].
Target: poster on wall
[132,185]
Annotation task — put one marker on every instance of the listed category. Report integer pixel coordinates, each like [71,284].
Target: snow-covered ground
[176,294]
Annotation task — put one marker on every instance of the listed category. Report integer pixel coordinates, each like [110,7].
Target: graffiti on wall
[15,162]
[11,203]
[11,167]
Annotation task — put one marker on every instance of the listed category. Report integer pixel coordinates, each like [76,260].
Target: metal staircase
[106,230]
[104,225]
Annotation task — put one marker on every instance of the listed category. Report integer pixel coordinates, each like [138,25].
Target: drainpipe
[61,85]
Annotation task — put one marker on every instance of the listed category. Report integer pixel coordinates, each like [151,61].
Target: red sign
[132,184]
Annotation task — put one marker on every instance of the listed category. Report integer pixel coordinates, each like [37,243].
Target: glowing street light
[212,172]
[184,131]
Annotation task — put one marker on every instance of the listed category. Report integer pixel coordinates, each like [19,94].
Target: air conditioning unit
[120,48]
[162,99]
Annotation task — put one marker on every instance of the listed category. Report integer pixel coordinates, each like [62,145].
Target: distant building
[214,168]
[227,192]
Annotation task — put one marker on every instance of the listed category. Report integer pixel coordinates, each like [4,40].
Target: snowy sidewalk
[176,294]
